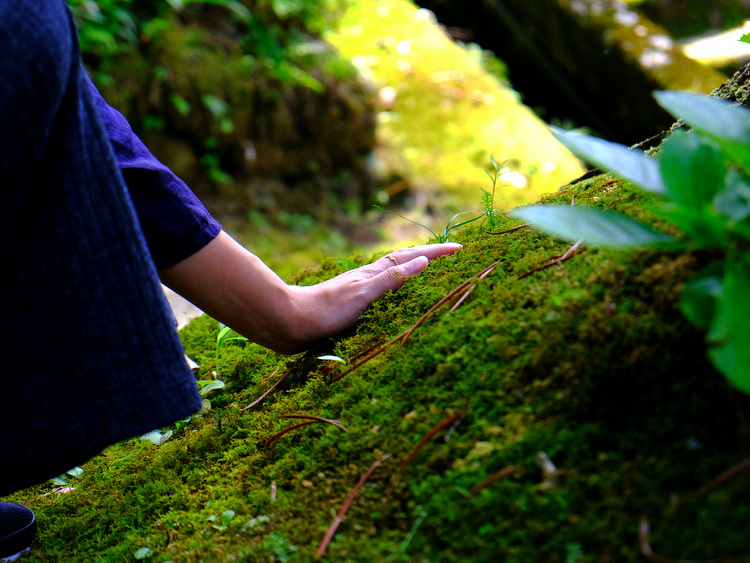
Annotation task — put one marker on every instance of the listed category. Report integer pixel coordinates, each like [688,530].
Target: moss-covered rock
[588,360]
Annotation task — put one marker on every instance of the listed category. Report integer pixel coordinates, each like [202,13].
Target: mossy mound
[589,361]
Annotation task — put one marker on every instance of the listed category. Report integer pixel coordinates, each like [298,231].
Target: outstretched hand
[235,287]
[336,304]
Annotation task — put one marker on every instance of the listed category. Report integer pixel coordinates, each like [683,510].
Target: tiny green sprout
[488,198]
[226,334]
[449,228]
[226,517]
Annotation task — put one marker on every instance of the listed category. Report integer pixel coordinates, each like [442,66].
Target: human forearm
[237,288]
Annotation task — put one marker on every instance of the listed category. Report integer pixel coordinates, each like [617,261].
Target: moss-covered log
[587,362]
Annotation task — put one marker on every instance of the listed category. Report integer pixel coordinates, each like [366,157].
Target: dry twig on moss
[492,478]
[310,420]
[426,438]
[404,336]
[268,392]
[340,516]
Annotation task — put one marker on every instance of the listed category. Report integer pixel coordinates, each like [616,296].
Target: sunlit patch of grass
[444,113]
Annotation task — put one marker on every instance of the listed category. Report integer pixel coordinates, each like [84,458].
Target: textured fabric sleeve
[174,221]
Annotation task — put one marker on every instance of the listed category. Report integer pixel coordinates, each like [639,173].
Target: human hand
[333,306]
[235,287]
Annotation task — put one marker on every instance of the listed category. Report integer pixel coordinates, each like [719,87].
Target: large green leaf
[729,124]
[703,227]
[693,169]
[595,227]
[632,165]
[716,117]
[733,201]
[730,331]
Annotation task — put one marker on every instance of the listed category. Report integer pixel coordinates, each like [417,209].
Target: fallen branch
[340,516]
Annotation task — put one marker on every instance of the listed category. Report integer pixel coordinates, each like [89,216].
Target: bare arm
[235,287]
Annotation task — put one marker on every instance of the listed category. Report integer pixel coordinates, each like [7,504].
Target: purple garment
[89,350]
[174,221]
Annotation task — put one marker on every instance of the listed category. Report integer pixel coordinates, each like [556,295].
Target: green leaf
[632,165]
[704,227]
[729,124]
[693,169]
[701,293]
[226,334]
[714,116]
[596,227]
[143,553]
[227,516]
[745,38]
[733,201]
[181,104]
[730,330]
[208,386]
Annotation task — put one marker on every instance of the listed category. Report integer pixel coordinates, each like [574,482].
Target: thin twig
[723,477]
[492,478]
[169,537]
[468,291]
[264,395]
[572,251]
[310,420]
[404,336]
[426,438]
[509,230]
[316,418]
[278,435]
[618,200]
[340,516]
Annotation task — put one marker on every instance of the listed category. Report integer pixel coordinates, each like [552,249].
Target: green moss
[589,361]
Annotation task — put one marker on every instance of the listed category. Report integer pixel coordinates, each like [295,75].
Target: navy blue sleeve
[174,221]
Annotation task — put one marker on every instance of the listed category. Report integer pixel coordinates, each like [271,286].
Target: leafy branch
[701,181]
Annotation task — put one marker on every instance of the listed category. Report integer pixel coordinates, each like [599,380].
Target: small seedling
[488,197]
[226,334]
[449,228]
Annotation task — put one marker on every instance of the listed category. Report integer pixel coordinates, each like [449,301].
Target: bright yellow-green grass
[443,114]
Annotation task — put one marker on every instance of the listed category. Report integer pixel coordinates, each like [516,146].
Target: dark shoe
[17,529]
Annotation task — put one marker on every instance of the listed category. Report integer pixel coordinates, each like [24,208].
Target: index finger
[429,251]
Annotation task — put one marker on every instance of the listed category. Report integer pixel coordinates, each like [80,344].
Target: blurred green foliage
[275,33]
